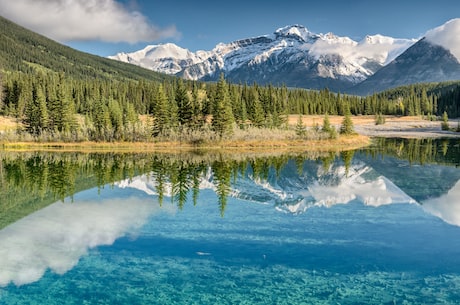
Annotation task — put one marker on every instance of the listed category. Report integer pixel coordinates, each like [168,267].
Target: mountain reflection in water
[74,202]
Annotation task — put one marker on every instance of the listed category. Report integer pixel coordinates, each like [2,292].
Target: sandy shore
[407,129]
[395,126]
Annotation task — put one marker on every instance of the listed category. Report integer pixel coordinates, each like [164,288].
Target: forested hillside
[28,52]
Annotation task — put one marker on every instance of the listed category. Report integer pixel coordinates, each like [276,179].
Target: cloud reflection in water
[446,207]
[57,236]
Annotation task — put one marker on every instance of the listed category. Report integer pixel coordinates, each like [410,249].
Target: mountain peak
[294,31]
[377,39]
[447,36]
[166,50]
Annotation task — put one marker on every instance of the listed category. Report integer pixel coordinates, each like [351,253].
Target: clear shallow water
[310,236]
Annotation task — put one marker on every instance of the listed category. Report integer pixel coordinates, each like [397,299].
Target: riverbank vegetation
[53,107]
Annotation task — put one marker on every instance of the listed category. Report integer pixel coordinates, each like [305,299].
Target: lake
[379,225]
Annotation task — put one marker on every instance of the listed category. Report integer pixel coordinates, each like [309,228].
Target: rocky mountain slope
[291,55]
[434,58]
[297,57]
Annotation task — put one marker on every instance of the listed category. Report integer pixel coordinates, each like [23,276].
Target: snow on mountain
[297,32]
[291,50]
[434,58]
[447,36]
[167,58]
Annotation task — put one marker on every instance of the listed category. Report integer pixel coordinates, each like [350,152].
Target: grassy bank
[249,139]
[341,143]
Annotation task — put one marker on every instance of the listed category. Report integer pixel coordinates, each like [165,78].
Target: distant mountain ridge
[291,55]
[296,57]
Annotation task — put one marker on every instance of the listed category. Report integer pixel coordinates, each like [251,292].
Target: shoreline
[364,126]
[409,129]
[394,127]
[227,146]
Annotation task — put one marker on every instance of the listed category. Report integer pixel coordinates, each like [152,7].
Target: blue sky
[105,27]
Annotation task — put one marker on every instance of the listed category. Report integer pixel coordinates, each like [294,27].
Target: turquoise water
[316,236]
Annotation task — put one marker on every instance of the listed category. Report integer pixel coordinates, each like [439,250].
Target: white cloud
[446,207]
[379,48]
[84,20]
[447,36]
[57,236]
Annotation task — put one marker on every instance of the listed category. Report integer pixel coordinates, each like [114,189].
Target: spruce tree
[116,119]
[299,127]
[445,121]
[326,124]
[328,128]
[198,117]
[36,113]
[347,125]
[222,116]
[101,121]
[61,108]
[184,105]
[379,119]
[42,110]
[161,113]
[258,117]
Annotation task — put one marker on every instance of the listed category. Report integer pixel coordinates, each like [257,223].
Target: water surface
[378,226]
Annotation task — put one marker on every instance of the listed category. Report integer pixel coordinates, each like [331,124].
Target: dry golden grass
[8,123]
[226,146]
[260,140]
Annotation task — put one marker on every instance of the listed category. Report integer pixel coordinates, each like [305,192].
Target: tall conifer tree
[222,117]
[161,113]
[184,106]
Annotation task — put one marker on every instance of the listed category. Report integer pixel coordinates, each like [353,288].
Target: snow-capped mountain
[166,58]
[296,57]
[292,55]
[434,58]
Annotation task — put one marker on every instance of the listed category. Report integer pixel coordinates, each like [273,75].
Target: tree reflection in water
[30,181]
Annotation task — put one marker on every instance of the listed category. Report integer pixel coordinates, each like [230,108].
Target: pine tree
[299,127]
[42,110]
[258,117]
[198,117]
[222,116]
[347,125]
[101,121]
[328,128]
[12,93]
[326,124]
[61,108]
[445,121]
[184,105]
[35,112]
[161,113]
[244,115]
[379,119]
[116,119]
